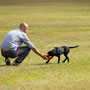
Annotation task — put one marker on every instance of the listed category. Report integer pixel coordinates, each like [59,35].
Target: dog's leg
[59,59]
[49,59]
[67,58]
[64,60]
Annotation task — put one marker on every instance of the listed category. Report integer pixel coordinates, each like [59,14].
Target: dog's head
[52,52]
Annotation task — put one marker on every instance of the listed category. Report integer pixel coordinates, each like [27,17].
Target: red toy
[49,57]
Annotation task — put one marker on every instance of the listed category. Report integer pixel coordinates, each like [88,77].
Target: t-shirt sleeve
[26,40]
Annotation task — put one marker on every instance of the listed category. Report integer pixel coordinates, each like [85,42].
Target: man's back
[11,40]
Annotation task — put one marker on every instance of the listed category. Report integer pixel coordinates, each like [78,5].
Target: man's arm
[26,41]
[37,52]
[31,46]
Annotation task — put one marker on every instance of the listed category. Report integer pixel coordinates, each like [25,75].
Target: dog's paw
[63,61]
[46,62]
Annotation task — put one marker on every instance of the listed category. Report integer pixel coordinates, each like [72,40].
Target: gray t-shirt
[14,39]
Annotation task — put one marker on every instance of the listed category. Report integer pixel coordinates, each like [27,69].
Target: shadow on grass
[4,65]
[44,64]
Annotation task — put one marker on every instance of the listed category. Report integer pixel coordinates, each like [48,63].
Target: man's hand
[45,57]
[37,52]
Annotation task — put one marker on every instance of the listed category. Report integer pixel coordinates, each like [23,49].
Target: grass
[51,23]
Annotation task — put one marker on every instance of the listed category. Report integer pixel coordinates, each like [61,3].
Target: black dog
[57,51]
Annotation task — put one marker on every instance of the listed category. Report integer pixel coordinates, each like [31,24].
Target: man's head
[24,27]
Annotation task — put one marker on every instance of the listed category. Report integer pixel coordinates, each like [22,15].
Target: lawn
[52,23]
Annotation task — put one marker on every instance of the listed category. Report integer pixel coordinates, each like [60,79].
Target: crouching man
[11,46]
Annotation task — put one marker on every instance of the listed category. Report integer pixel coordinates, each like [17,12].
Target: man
[11,46]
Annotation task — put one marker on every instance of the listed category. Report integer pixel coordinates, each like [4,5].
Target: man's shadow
[4,65]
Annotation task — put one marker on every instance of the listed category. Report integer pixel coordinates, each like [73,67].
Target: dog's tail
[74,46]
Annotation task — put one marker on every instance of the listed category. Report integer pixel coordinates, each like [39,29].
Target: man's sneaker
[8,61]
[15,63]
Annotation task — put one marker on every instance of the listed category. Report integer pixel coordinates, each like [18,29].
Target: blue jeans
[20,53]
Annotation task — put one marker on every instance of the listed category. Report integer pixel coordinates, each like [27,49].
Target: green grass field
[51,23]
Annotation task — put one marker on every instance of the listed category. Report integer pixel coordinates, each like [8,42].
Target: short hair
[23,24]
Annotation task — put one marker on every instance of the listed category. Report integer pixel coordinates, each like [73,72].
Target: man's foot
[15,63]
[8,61]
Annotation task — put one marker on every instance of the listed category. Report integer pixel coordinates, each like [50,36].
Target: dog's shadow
[43,64]
[39,64]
